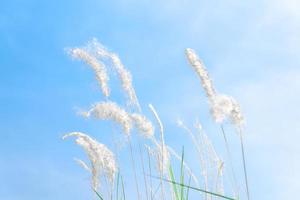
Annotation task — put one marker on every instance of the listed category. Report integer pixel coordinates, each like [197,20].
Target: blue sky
[250,48]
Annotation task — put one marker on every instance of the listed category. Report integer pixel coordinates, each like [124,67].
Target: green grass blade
[98,194]
[188,188]
[182,175]
[172,182]
[196,189]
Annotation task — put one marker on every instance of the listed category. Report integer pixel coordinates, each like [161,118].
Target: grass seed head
[97,66]
[111,111]
[101,158]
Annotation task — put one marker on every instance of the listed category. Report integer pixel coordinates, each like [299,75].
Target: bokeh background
[250,49]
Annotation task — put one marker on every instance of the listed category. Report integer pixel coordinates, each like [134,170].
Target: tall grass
[161,167]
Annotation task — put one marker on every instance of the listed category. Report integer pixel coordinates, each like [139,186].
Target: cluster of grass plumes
[159,178]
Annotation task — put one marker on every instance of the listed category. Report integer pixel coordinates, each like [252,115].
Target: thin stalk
[123,190]
[203,160]
[244,162]
[143,168]
[111,192]
[161,182]
[182,175]
[134,170]
[161,130]
[219,176]
[150,172]
[118,179]
[234,182]
[108,190]
[156,191]
[173,152]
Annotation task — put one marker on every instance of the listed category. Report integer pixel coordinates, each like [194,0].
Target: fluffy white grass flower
[126,80]
[236,116]
[111,111]
[124,75]
[222,106]
[143,125]
[101,158]
[97,66]
[201,71]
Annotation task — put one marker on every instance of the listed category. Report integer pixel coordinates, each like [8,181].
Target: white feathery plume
[143,125]
[236,116]
[111,111]
[124,75]
[201,71]
[222,106]
[82,164]
[101,158]
[126,79]
[99,50]
[97,66]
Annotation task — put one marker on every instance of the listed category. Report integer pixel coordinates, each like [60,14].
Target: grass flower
[221,106]
[143,125]
[124,75]
[201,71]
[111,111]
[101,158]
[97,66]
[103,161]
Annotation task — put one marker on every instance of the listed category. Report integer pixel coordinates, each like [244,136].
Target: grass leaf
[182,175]
[98,194]
[173,182]
[194,188]
[188,188]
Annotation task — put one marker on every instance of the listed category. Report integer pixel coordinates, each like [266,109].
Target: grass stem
[234,182]
[134,170]
[244,163]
